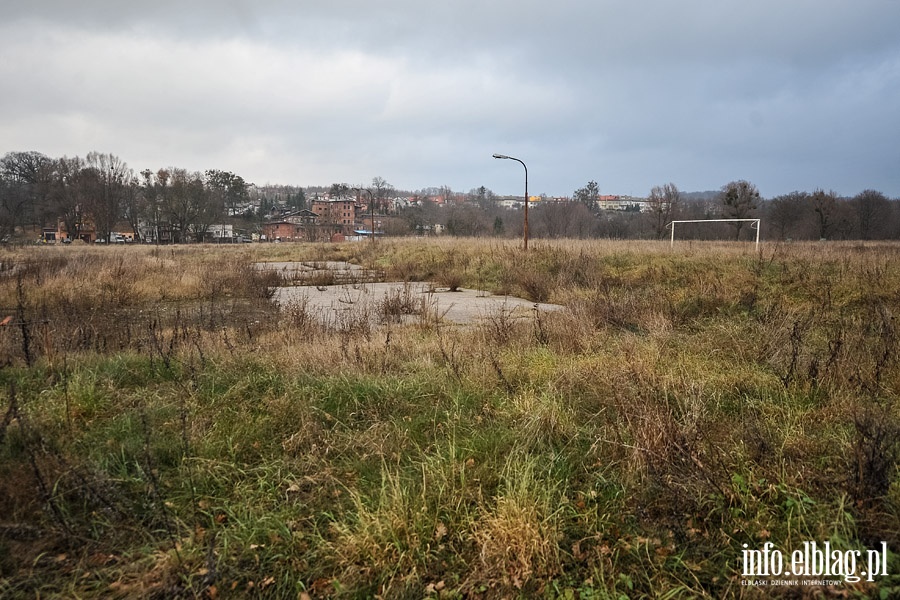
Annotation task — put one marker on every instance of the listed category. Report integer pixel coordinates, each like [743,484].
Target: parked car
[114,238]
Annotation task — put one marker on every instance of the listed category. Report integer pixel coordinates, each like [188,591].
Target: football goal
[754,224]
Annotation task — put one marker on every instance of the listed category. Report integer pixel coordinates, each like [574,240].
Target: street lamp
[371,209]
[526,191]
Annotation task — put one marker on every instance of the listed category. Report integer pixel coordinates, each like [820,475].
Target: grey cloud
[632,94]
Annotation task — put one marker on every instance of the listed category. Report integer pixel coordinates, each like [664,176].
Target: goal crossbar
[755,221]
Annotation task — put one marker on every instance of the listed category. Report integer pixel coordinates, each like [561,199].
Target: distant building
[221,232]
[625,203]
[340,213]
[300,225]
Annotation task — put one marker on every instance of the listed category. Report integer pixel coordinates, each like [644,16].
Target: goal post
[754,225]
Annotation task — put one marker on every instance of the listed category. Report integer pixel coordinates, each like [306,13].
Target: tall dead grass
[684,403]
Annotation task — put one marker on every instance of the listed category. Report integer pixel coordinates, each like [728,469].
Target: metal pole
[756,222]
[526,204]
[524,166]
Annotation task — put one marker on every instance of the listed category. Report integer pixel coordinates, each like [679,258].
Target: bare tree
[563,220]
[132,207]
[468,221]
[108,178]
[421,215]
[207,209]
[825,207]
[154,200]
[738,200]
[786,214]
[24,188]
[550,220]
[181,202]
[69,194]
[446,193]
[873,213]
[381,190]
[663,201]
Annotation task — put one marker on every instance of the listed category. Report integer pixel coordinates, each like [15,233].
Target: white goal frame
[754,225]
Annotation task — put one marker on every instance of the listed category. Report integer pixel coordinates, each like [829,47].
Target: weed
[181,435]
[518,533]
[402,302]
[875,454]
[386,540]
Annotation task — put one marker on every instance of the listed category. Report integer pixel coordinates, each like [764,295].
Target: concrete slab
[326,271]
[337,303]
[291,265]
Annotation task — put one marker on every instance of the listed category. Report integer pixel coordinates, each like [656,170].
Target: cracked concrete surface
[338,303]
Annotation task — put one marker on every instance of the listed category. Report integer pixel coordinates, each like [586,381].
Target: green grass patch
[680,406]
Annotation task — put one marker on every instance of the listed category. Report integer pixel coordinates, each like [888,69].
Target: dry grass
[161,412]
[518,536]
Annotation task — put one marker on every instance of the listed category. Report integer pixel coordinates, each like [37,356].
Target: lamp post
[526,192]
[371,209]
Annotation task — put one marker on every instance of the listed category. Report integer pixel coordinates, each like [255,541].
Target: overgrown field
[165,431]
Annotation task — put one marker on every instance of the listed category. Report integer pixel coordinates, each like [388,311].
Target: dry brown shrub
[875,454]
[402,302]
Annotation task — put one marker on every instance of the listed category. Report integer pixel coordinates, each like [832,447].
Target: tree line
[37,191]
[103,191]
[816,215]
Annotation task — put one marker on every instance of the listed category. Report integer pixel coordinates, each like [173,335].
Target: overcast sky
[788,94]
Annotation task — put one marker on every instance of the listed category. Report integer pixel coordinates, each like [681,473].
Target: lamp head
[500,156]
